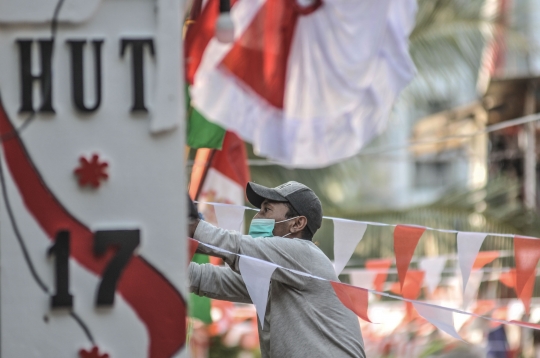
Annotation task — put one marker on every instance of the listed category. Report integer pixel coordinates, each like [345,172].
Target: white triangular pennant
[433,267]
[468,246]
[230,217]
[347,234]
[441,318]
[362,278]
[256,275]
[471,291]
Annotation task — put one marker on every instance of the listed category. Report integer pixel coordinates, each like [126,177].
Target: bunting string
[373,223]
[412,301]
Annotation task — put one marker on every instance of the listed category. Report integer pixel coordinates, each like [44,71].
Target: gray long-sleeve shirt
[304,317]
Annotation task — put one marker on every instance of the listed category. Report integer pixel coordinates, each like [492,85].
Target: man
[304,317]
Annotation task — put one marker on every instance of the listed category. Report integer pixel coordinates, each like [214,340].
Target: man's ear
[299,224]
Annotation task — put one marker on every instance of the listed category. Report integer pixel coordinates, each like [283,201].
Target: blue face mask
[264,227]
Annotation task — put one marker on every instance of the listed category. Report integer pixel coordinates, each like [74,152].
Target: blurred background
[451,158]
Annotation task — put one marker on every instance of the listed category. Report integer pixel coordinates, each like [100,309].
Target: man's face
[277,211]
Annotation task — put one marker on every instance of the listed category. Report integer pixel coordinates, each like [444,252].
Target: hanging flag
[256,275]
[230,217]
[362,278]
[303,95]
[441,318]
[468,246]
[201,133]
[193,246]
[433,267]
[347,235]
[405,241]
[220,176]
[381,266]
[527,254]
[509,279]
[354,298]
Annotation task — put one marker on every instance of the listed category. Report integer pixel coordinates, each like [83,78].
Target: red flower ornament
[91,172]
[94,353]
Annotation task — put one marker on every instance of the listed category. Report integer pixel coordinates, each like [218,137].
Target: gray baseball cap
[302,199]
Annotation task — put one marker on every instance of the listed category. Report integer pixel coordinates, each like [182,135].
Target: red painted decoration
[91,172]
[405,240]
[154,299]
[354,298]
[93,353]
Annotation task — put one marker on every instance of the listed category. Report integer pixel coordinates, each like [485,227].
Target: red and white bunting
[380,266]
[433,267]
[468,246]
[347,235]
[354,298]
[441,318]
[362,278]
[256,275]
[229,217]
[405,240]
[527,254]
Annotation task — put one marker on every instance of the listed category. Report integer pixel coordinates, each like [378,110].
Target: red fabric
[354,298]
[193,246]
[379,265]
[154,299]
[508,278]
[260,56]
[198,35]
[405,240]
[231,160]
[527,254]
[484,258]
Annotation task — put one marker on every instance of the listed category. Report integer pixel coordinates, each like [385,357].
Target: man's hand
[193,217]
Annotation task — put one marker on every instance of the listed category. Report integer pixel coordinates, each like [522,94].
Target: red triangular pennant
[405,240]
[484,258]
[382,266]
[193,246]
[354,298]
[527,254]
[508,278]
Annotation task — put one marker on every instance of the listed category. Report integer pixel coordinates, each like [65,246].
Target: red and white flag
[221,176]
[308,82]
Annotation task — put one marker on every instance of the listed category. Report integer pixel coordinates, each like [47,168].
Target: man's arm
[220,283]
[288,253]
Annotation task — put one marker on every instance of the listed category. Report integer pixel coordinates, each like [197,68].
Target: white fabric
[471,291]
[433,267]
[348,62]
[468,246]
[347,235]
[230,217]
[362,278]
[256,275]
[441,318]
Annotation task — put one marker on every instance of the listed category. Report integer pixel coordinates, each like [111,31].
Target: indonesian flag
[308,82]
